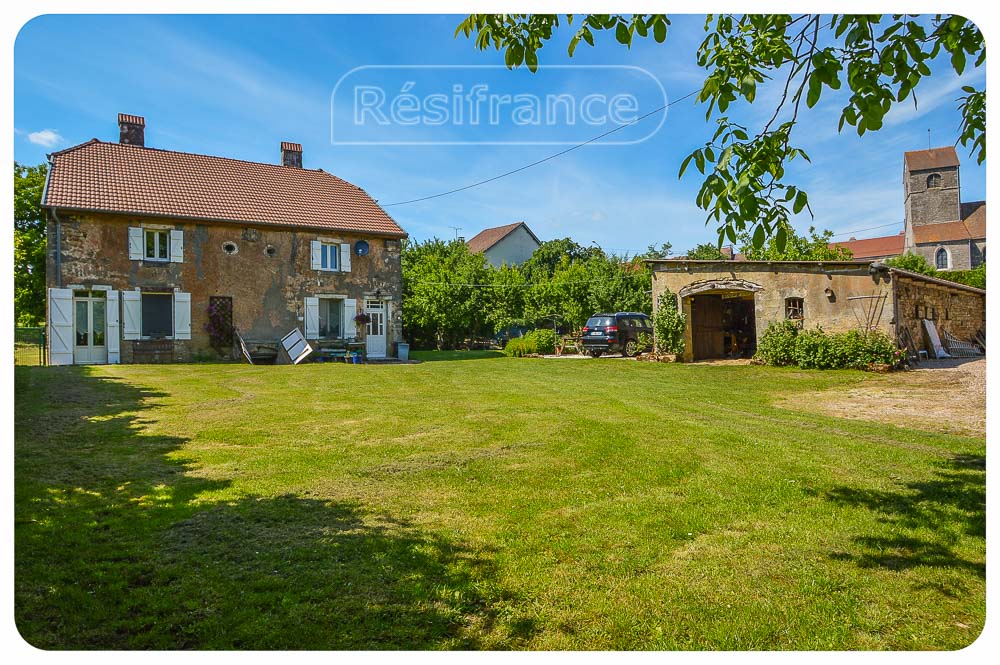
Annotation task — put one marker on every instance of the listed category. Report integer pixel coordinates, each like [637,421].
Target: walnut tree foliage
[880,59]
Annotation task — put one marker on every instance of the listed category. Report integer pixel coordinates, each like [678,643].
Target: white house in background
[512,244]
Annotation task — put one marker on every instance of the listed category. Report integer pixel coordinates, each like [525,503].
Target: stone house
[729,304]
[512,244]
[143,243]
[950,234]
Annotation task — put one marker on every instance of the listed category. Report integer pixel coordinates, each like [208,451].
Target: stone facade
[268,276]
[935,202]
[835,296]
[953,309]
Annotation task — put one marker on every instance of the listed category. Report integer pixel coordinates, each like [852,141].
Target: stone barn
[729,304]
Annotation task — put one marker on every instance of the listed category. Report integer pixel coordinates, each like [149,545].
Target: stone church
[950,234]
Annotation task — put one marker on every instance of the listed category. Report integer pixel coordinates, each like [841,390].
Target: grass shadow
[433,356]
[927,520]
[115,550]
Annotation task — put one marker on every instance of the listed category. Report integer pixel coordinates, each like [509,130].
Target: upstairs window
[941,259]
[794,309]
[933,181]
[329,255]
[157,244]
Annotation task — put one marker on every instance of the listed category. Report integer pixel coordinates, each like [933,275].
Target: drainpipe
[55,216]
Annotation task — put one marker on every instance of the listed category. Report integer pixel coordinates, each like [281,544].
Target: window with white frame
[329,256]
[157,243]
[157,315]
[331,315]
[941,259]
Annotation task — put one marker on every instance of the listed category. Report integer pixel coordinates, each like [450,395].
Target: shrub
[518,347]
[777,345]
[975,277]
[544,340]
[814,349]
[912,262]
[784,344]
[668,324]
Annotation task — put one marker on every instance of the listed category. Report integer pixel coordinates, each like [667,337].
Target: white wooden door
[375,334]
[90,328]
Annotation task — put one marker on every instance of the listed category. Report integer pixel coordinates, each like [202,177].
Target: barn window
[933,181]
[794,309]
[941,259]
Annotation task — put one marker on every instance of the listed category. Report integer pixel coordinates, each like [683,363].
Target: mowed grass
[485,503]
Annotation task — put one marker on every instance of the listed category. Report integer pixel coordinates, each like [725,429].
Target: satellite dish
[361,248]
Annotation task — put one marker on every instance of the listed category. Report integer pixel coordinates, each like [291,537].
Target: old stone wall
[929,205]
[268,276]
[958,311]
[961,253]
[833,312]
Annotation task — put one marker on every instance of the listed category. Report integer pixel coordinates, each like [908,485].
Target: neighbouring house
[729,304]
[512,244]
[143,243]
[950,234]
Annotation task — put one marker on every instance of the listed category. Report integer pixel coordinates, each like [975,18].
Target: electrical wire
[545,159]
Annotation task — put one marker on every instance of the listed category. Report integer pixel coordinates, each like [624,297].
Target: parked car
[617,332]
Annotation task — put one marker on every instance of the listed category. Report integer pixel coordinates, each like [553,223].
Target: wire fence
[29,346]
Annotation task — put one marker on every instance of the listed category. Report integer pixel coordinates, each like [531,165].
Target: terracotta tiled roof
[486,238]
[974,217]
[125,118]
[874,248]
[293,147]
[127,179]
[935,158]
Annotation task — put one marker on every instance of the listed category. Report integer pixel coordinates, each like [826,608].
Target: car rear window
[598,321]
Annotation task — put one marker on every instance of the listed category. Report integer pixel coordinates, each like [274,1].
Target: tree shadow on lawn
[114,550]
[951,506]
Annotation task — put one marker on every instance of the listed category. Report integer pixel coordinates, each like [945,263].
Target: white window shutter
[131,314]
[135,243]
[60,326]
[112,335]
[312,318]
[315,258]
[182,315]
[177,247]
[345,257]
[350,311]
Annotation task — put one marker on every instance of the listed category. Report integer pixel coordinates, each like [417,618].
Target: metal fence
[29,346]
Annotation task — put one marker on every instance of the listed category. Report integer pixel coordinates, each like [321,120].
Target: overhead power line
[545,159]
[870,228]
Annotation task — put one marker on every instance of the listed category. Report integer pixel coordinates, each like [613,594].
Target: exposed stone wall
[958,311]
[268,290]
[930,205]
[961,253]
[777,282]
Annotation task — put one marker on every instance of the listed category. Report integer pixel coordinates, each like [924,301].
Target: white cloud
[45,138]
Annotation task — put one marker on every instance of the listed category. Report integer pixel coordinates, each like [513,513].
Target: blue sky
[238,85]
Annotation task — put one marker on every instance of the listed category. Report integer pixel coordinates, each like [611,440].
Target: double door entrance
[90,321]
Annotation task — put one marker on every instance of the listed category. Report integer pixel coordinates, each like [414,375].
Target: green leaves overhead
[880,59]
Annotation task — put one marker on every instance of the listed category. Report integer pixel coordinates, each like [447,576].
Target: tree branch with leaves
[881,59]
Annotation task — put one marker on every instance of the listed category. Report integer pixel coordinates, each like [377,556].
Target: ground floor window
[331,315]
[157,315]
[794,309]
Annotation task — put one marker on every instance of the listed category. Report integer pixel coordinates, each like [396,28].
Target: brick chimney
[291,154]
[133,129]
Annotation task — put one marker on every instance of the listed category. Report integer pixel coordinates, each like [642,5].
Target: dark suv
[608,333]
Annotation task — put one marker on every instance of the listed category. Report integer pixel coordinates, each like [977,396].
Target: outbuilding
[729,304]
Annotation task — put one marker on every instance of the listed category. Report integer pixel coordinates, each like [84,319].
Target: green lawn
[486,503]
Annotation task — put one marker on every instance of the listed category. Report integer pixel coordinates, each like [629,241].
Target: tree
[29,245]
[882,60]
[912,262]
[814,247]
[443,298]
[664,251]
[706,251]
